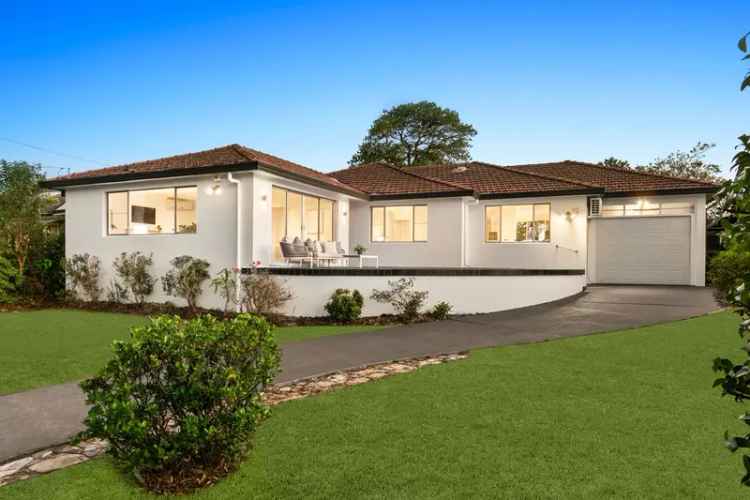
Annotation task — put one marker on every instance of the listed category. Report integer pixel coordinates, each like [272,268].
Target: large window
[299,215]
[644,207]
[402,223]
[517,223]
[152,211]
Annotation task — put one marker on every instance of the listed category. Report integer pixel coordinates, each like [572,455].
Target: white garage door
[642,250]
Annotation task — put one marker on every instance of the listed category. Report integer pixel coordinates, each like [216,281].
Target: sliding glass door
[297,215]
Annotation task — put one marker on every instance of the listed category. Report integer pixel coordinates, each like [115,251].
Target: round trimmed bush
[180,401]
[345,306]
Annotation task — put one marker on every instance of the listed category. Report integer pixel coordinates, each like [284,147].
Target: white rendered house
[481,236]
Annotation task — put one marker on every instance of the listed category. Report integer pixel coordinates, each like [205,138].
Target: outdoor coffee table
[363,258]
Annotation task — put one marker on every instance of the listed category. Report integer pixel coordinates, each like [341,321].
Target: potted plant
[359,249]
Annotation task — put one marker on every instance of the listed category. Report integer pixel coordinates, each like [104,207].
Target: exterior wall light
[215,187]
[570,215]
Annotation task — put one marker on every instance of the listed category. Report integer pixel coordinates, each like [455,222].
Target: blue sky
[540,81]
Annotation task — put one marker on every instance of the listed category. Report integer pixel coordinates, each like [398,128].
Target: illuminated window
[152,211]
[517,223]
[405,223]
[296,215]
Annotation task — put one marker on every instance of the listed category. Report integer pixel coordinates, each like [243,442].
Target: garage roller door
[642,250]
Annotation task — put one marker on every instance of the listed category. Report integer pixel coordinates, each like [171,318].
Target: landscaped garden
[53,346]
[625,414]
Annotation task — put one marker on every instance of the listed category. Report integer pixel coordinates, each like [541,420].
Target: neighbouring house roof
[382,181]
[223,159]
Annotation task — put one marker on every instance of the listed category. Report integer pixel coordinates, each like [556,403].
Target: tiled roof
[231,157]
[383,180]
[486,179]
[616,180]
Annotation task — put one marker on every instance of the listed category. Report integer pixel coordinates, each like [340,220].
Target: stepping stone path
[62,456]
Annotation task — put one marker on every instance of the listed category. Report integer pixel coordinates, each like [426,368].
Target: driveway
[48,416]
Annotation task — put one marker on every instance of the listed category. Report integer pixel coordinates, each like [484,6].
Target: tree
[735,377]
[20,208]
[691,165]
[615,163]
[416,133]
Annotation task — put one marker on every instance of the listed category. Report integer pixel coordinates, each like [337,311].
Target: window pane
[186,214]
[613,210]
[676,208]
[420,223]
[378,224]
[293,215]
[541,223]
[278,220]
[152,211]
[310,223]
[398,223]
[517,223]
[492,224]
[117,213]
[326,220]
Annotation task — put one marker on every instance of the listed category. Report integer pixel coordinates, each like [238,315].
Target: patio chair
[295,252]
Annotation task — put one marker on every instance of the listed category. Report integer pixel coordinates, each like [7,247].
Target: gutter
[238,262]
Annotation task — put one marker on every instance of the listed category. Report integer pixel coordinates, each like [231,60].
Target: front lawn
[629,414]
[53,346]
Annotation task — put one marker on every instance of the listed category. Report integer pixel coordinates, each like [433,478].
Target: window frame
[413,223]
[334,211]
[128,191]
[620,210]
[500,228]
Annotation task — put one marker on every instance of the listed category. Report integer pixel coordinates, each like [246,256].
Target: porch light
[570,215]
[215,187]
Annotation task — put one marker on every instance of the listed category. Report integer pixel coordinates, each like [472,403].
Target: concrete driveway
[48,416]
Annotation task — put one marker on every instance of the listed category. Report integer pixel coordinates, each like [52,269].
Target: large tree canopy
[20,206]
[416,133]
[691,164]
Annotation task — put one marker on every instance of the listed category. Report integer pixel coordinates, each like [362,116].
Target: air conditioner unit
[595,207]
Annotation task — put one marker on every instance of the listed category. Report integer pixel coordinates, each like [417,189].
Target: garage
[641,250]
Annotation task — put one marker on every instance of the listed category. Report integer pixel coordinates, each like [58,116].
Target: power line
[50,151]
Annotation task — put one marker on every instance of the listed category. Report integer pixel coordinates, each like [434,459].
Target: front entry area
[641,250]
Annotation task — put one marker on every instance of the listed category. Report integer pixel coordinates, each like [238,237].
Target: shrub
[406,301]
[726,271]
[180,401]
[225,284]
[440,311]
[83,271]
[345,306]
[133,271]
[263,293]
[117,293]
[9,281]
[46,273]
[186,279]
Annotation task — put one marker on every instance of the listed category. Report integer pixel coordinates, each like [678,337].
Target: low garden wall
[468,290]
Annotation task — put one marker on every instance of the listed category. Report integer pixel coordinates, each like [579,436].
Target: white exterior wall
[697,233]
[467,294]
[443,247]
[570,235]
[215,239]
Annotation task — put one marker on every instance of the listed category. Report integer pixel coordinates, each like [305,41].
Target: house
[484,237]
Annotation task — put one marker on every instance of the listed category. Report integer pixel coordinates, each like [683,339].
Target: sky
[89,85]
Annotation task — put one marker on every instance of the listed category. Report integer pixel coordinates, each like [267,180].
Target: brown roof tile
[231,157]
[383,180]
[616,180]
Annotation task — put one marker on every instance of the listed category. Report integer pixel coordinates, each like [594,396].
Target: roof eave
[540,194]
[416,196]
[659,192]
[137,176]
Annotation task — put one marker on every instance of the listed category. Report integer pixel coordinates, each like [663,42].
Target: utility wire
[50,151]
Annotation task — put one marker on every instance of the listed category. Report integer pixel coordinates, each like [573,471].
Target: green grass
[53,346]
[629,415]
